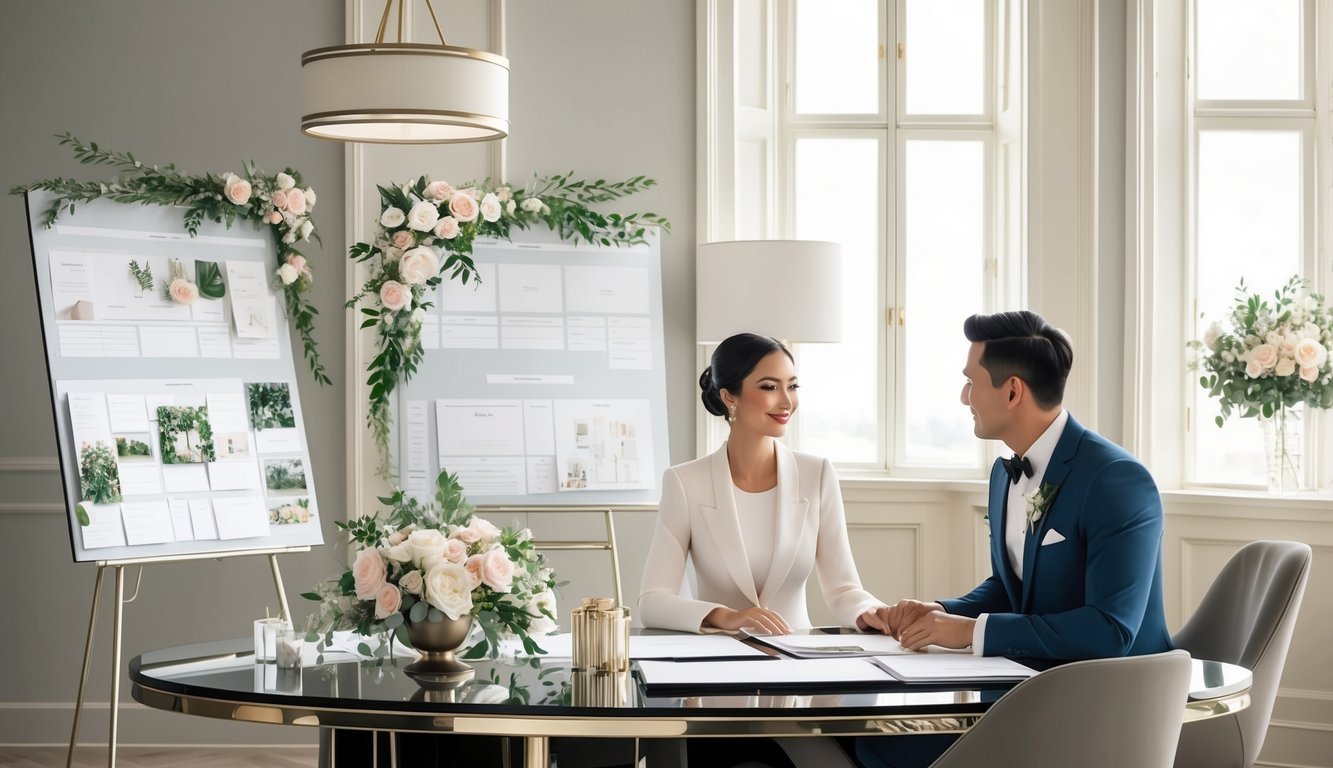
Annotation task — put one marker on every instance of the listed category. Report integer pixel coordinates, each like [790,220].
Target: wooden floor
[162,757]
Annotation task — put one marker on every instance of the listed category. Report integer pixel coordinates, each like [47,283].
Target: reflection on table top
[538,696]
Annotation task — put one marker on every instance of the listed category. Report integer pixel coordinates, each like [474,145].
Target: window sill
[883,480]
[1306,506]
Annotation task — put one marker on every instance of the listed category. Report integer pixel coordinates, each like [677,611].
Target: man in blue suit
[1075,524]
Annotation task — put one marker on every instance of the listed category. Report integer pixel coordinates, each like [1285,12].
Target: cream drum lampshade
[788,289]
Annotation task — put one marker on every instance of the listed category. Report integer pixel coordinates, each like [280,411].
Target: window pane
[1249,226]
[1249,50]
[946,57]
[837,57]
[840,382]
[945,230]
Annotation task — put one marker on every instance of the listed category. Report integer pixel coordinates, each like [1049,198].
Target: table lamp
[790,290]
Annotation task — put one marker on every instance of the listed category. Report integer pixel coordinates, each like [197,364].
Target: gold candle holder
[600,632]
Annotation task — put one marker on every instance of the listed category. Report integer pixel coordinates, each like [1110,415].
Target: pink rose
[273,217]
[439,190]
[183,291]
[505,194]
[473,568]
[402,239]
[1253,369]
[387,601]
[1265,355]
[447,229]
[1310,374]
[298,262]
[463,206]
[394,295]
[279,199]
[236,189]
[467,535]
[296,202]
[368,574]
[455,551]
[497,570]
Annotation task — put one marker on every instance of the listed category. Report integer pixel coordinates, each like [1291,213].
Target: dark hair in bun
[732,361]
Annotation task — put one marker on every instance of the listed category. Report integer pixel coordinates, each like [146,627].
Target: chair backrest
[1104,712]
[607,543]
[1247,618]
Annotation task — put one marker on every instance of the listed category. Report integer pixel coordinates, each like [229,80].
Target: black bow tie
[1017,466]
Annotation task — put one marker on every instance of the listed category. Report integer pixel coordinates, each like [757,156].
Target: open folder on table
[806,675]
[667,646]
[820,643]
[953,668]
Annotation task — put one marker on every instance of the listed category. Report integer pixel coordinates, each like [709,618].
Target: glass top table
[538,698]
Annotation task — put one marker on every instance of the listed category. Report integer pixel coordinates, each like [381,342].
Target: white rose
[447,228]
[285,181]
[399,553]
[490,207]
[306,229]
[310,197]
[392,217]
[1309,374]
[1265,355]
[497,570]
[288,274]
[449,589]
[368,574]
[531,204]
[418,316]
[1211,336]
[425,543]
[1310,354]
[504,194]
[411,582]
[509,207]
[1253,369]
[1285,367]
[392,254]
[419,265]
[455,551]
[423,216]
[439,190]
[486,532]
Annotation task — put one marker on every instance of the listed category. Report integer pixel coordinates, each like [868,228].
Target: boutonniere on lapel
[1038,502]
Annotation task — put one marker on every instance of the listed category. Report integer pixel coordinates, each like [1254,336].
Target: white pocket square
[1052,537]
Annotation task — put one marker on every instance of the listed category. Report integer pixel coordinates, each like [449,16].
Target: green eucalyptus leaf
[208,276]
[81,512]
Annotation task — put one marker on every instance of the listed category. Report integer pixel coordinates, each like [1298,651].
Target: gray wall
[601,87]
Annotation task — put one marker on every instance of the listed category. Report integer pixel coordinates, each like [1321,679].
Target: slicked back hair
[1023,344]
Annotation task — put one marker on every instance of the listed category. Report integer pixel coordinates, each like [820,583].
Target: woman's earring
[732,416]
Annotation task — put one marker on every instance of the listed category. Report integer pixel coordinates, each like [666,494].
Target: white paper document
[630,345]
[585,334]
[603,444]
[416,462]
[477,296]
[529,288]
[88,340]
[256,349]
[528,332]
[168,341]
[845,643]
[541,475]
[241,518]
[185,478]
[814,674]
[104,529]
[469,332]
[228,411]
[478,428]
[201,519]
[147,522]
[674,646]
[139,478]
[71,281]
[430,332]
[948,667]
[488,475]
[181,528]
[539,427]
[606,290]
[214,342]
[128,413]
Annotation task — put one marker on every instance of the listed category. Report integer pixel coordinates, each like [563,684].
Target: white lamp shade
[788,289]
[404,93]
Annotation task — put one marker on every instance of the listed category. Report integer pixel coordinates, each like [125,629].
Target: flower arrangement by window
[1274,354]
[280,201]
[426,231]
[422,563]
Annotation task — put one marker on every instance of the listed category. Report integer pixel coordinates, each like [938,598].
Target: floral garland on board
[423,220]
[280,201]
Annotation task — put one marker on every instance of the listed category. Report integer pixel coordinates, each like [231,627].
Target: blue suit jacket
[1098,593]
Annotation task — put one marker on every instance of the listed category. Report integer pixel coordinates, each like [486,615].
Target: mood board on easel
[173,385]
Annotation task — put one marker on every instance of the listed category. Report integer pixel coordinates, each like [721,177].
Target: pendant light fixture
[404,93]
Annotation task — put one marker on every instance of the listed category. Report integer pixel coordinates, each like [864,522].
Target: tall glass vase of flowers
[1270,361]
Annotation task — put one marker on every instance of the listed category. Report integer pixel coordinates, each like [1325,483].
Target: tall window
[887,147]
[1253,128]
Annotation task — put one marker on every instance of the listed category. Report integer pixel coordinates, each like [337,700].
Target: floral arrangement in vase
[1273,355]
[425,563]
[279,201]
[425,234]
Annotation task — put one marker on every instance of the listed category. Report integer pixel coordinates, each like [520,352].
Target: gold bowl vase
[438,667]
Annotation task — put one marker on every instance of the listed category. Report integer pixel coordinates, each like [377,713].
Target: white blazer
[697,519]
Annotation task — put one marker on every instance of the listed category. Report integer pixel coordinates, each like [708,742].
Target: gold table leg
[536,752]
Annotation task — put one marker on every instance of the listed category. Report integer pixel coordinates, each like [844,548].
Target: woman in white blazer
[756,517]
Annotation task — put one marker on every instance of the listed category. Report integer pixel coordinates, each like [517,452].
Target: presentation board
[546,383]
[178,423]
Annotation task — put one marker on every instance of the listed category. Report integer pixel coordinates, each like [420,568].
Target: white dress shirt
[1016,514]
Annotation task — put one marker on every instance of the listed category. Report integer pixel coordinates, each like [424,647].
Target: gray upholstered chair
[1104,712]
[1247,618]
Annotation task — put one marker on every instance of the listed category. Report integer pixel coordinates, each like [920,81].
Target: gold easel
[118,616]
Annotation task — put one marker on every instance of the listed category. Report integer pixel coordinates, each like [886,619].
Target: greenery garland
[280,201]
[423,219]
